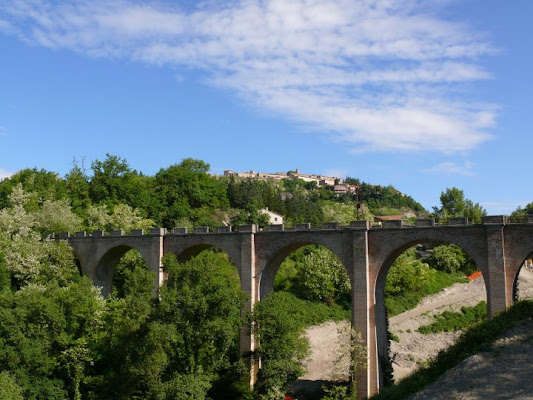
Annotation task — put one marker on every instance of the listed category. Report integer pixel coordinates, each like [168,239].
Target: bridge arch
[392,248]
[268,276]
[272,250]
[186,247]
[98,255]
[518,249]
[106,267]
[524,275]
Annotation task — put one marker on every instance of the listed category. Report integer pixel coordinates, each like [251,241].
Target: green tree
[282,347]
[57,216]
[26,256]
[521,214]
[322,277]
[134,346]
[9,390]
[186,186]
[407,274]
[202,302]
[122,217]
[110,183]
[342,213]
[450,258]
[454,204]
[77,184]
[45,185]
[301,208]
[44,335]
[378,197]
[125,271]
[251,215]
[203,299]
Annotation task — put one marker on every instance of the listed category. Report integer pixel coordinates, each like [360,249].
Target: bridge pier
[249,284]
[366,377]
[497,298]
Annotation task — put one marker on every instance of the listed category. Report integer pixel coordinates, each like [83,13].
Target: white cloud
[450,168]
[4,174]
[503,207]
[377,75]
[336,172]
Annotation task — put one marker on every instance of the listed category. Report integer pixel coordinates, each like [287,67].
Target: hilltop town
[338,184]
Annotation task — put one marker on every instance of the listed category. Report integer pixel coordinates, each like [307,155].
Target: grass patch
[449,321]
[308,313]
[397,304]
[476,339]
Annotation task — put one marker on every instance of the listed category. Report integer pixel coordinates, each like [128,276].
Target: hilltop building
[339,187]
[274,219]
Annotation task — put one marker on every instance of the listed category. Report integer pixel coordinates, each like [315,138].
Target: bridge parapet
[425,222]
[277,227]
[302,227]
[458,221]
[247,228]
[327,226]
[330,225]
[392,224]
[201,229]
[360,224]
[495,219]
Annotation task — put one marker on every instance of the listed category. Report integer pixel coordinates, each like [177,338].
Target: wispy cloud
[4,174]
[450,168]
[503,207]
[336,172]
[377,75]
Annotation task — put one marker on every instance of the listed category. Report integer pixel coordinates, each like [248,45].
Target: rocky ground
[504,372]
[326,362]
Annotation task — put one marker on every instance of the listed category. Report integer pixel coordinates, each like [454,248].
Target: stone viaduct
[498,248]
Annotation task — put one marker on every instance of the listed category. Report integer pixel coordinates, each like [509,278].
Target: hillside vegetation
[112,194]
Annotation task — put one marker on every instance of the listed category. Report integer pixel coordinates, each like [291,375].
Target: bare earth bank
[328,360]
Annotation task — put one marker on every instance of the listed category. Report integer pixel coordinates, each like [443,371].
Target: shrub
[450,258]
[455,321]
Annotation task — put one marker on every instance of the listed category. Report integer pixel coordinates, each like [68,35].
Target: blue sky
[420,94]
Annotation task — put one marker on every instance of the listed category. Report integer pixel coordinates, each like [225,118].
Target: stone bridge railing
[366,225]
